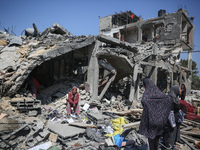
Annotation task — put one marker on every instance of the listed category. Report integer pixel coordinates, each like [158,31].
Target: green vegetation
[195,77]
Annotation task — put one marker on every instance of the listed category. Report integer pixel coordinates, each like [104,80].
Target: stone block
[44,133]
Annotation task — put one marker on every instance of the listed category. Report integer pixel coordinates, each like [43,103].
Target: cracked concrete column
[133,85]
[93,70]
[155,74]
[139,34]
[138,87]
[190,59]
[189,80]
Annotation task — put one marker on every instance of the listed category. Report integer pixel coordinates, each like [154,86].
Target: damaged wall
[173,33]
[123,46]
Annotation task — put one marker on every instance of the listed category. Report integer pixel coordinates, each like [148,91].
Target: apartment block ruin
[126,50]
[167,35]
[39,69]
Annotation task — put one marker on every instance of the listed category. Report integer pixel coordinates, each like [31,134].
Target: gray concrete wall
[131,36]
[105,23]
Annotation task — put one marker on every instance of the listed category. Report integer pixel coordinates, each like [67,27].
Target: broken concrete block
[14,40]
[59,128]
[30,32]
[82,97]
[35,128]
[58,29]
[110,141]
[12,53]
[119,98]
[44,133]
[97,118]
[95,134]
[113,99]
[39,138]
[32,113]
[83,92]
[31,142]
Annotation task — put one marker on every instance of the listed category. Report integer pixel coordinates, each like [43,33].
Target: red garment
[186,107]
[189,110]
[73,98]
[192,116]
[132,15]
[36,83]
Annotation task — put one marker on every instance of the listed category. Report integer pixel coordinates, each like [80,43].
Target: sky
[81,17]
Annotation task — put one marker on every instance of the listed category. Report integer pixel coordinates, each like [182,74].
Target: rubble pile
[85,132]
[90,131]
[39,69]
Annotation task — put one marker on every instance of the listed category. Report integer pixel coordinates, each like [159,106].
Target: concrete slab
[64,130]
[97,118]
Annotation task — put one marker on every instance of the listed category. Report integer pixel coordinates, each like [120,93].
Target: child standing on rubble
[156,109]
[183,91]
[171,132]
[72,101]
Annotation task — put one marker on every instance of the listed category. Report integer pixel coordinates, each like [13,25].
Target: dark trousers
[153,143]
[171,136]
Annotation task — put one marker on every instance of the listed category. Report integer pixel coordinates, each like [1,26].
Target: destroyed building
[130,45]
[167,35]
[113,63]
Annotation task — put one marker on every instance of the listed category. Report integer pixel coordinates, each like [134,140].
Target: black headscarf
[174,93]
[156,109]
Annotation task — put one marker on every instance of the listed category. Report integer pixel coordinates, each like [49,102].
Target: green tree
[195,77]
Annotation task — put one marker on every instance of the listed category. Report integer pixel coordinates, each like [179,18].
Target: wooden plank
[183,147]
[2,115]
[187,128]
[196,100]
[187,120]
[183,124]
[190,145]
[130,125]
[190,133]
[83,125]
[190,139]
[126,112]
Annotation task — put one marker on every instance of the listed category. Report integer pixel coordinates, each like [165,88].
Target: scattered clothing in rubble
[95,134]
[189,110]
[54,114]
[118,140]
[156,109]
[104,147]
[117,125]
[132,135]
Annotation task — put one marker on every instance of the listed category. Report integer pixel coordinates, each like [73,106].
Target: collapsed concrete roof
[69,53]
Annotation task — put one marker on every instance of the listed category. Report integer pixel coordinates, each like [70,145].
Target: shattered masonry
[126,50]
[158,58]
